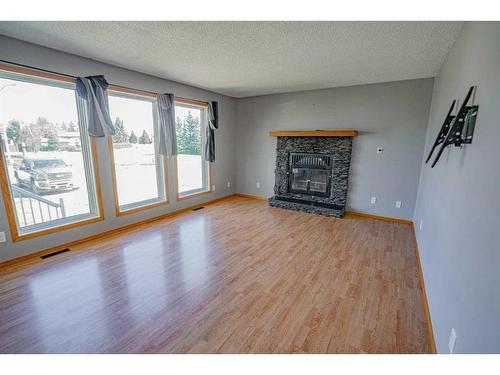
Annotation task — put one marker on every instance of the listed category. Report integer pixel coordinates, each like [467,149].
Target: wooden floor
[234,277]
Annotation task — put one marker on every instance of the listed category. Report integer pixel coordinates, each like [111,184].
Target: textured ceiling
[254,58]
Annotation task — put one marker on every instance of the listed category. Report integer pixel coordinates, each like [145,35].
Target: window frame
[122,92]
[15,231]
[194,193]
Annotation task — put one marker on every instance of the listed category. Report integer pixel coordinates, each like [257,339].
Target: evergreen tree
[120,135]
[145,138]
[180,134]
[192,134]
[133,137]
[13,131]
[52,143]
[188,135]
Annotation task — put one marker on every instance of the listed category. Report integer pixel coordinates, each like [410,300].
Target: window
[46,166]
[192,169]
[138,170]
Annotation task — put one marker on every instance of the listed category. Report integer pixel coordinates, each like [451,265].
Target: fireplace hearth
[312,173]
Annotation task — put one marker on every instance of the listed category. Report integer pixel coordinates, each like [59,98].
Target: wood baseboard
[258,197]
[348,213]
[430,331]
[377,217]
[33,257]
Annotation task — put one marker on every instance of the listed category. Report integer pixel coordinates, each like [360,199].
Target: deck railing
[34,209]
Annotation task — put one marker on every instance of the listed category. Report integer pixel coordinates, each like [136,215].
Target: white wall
[459,201]
[223,169]
[391,115]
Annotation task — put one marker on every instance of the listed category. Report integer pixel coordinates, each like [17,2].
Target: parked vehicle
[44,175]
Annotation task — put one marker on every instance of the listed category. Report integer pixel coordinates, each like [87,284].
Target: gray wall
[223,169]
[391,115]
[458,201]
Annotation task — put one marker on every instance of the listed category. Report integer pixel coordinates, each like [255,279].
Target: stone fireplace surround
[334,204]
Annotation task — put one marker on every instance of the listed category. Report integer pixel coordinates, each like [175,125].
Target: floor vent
[198,208]
[54,253]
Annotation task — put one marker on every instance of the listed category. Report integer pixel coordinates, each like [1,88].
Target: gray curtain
[93,90]
[213,124]
[167,142]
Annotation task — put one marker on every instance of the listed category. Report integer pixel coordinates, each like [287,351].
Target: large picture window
[193,172]
[47,166]
[138,170]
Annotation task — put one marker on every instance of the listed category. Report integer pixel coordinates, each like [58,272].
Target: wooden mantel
[313,133]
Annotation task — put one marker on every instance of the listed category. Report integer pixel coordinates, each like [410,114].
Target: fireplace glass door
[310,181]
[300,179]
[310,174]
[318,180]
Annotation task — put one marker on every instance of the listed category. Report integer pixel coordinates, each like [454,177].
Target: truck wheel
[34,188]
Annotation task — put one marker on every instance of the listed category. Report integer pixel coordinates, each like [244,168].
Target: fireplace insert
[310,174]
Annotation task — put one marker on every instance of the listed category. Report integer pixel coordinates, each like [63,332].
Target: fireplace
[310,174]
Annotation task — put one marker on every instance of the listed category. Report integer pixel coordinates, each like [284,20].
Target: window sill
[193,195]
[140,208]
[27,236]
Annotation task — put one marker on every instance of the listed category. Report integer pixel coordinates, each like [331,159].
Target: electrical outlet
[213,187]
[453,340]
[229,184]
[258,185]
[373,200]
[398,204]
[2,237]
[421,224]
[380,150]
